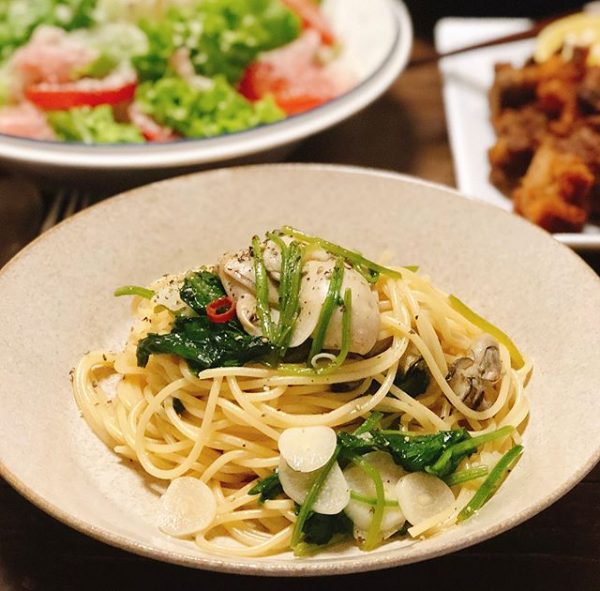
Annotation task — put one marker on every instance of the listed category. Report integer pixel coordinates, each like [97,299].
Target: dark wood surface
[404,131]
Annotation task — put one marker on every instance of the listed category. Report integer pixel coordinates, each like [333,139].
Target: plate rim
[292,568]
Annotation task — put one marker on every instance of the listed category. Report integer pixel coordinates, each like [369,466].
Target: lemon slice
[581,30]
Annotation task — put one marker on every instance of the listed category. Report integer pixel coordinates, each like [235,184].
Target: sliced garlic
[332,498]
[166,291]
[306,449]
[187,507]
[422,496]
[358,481]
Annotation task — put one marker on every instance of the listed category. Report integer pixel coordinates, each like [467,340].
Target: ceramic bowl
[376,37]
[57,304]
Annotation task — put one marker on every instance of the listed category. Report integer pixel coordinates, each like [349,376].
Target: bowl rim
[343,565]
[193,151]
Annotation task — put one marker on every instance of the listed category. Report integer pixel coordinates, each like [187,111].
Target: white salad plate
[57,305]
[376,39]
[467,80]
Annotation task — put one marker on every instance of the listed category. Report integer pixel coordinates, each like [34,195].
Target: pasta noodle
[227,435]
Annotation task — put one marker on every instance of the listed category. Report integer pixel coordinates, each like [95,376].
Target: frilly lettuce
[200,112]
[19,18]
[223,36]
[93,126]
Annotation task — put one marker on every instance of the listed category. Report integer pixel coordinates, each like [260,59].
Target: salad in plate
[112,71]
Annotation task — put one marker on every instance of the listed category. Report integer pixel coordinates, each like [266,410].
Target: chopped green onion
[486,326]
[491,483]
[462,476]
[134,290]
[311,497]
[331,302]
[373,534]
[262,289]
[357,260]
[372,500]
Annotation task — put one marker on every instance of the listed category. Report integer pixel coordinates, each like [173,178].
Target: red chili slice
[221,310]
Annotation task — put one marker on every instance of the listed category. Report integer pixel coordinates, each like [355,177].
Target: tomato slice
[292,75]
[312,18]
[52,97]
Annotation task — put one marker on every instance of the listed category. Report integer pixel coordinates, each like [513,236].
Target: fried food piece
[519,134]
[555,193]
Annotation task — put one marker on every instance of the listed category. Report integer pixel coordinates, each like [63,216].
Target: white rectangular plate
[467,79]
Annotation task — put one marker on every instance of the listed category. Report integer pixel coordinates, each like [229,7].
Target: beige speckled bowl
[57,304]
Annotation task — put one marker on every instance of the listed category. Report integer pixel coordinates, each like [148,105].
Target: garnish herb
[200,288]
[371,500]
[331,302]
[289,293]
[262,289]
[134,290]
[321,529]
[311,497]
[461,476]
[204,344]
[488,327]
[491,483]
[452,456]
[268,488]
[367,268]
[373,534]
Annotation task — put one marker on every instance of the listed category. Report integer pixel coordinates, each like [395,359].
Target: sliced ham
[51,56]
[25,120]
[151,130]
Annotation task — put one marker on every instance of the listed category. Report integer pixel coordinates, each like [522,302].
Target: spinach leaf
[200,289]
[268,488]
[416,379]
[417,453]
[320,529]
[204,344]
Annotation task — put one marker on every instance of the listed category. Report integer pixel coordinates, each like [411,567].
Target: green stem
[488,327]
[289,295]
[491,483]
[468,445]
[262,290]
[134,290]
[352,256]
[373,534]
[372,500]
[462,476]
[331,302]
[311,497]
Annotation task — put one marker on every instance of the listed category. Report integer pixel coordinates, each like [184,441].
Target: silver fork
[64,204]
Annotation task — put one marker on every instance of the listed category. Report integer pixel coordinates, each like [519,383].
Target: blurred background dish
[375,44]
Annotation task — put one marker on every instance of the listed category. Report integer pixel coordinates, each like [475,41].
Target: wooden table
[404,131]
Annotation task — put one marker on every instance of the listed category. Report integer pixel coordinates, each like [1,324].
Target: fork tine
[72,204]
[53,214]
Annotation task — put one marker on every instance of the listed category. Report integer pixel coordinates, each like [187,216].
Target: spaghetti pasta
[222,424]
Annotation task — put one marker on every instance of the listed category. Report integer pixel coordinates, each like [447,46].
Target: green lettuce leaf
[19,18]
[93,126]
[194,112]
[223,36]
